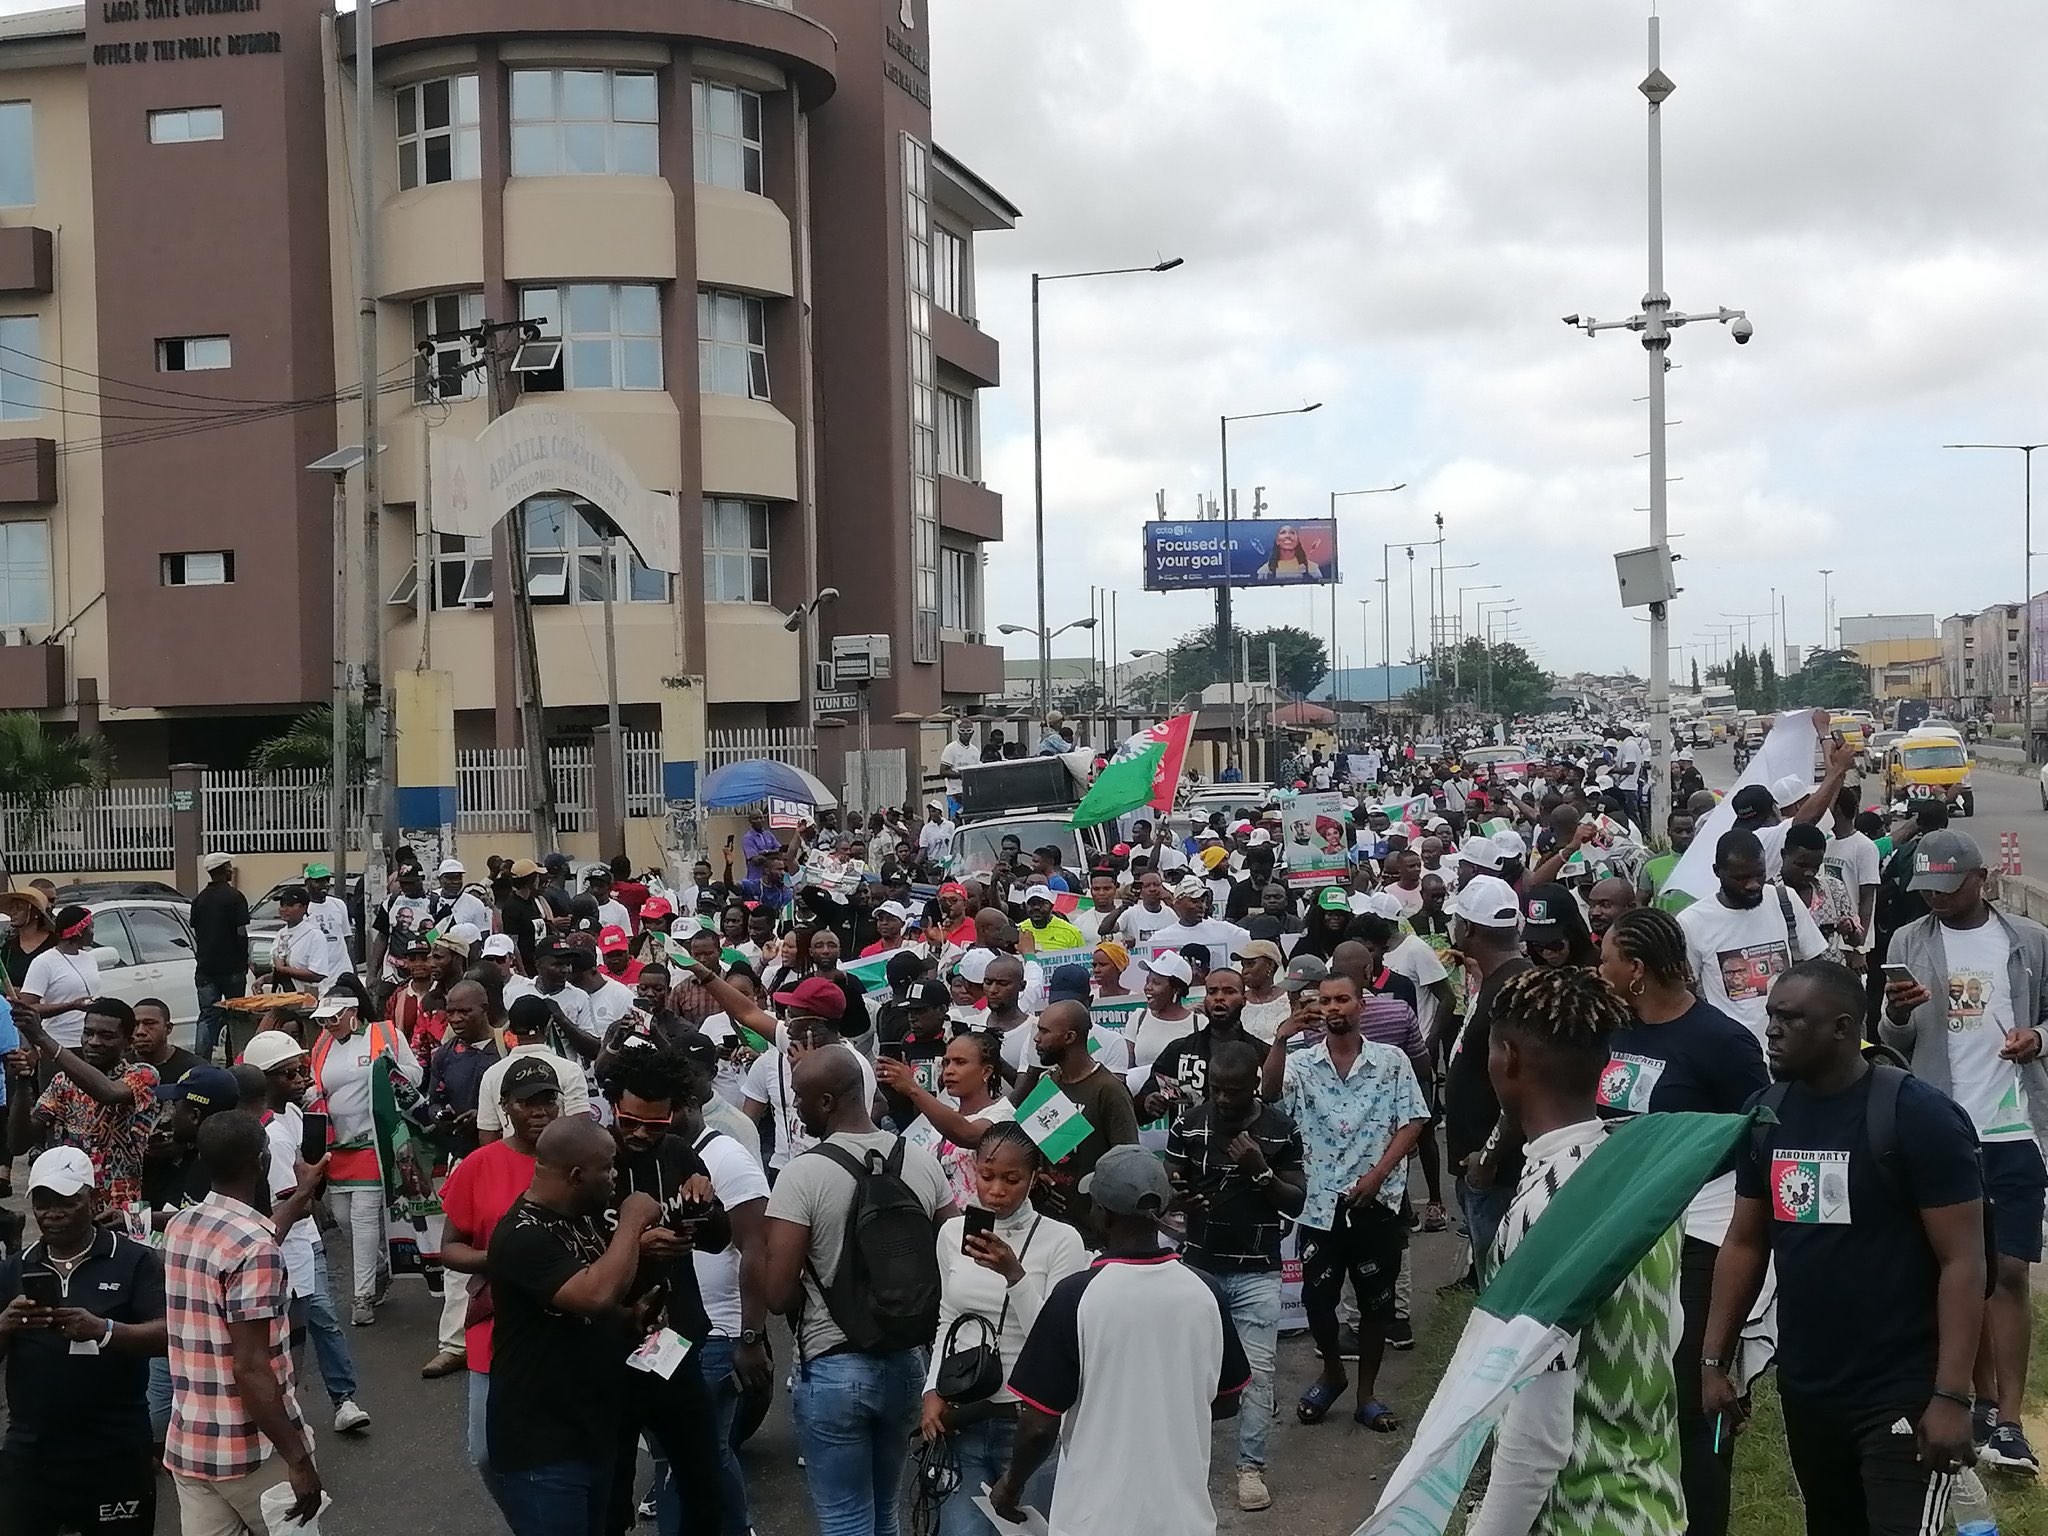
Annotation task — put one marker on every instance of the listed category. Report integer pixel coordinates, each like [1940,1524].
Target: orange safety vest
[354,1165]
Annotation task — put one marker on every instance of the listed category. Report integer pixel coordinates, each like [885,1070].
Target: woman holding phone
[971,1074]
[998,1261]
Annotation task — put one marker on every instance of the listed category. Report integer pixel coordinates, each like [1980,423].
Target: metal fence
[120,827]
[286,812]
[795,745]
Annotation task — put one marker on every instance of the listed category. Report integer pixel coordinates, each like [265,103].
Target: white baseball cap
[1791,789]
[894,909]
[1192,885]
[1260,838]
[451,867]
[1488,901]
[1482,851]
[465,934]
[973,966]
[1171,963]
[1510,844]
[62,1171]
[501,944]
[271,1049]
[1381,904]
[215,861]
[1038,893]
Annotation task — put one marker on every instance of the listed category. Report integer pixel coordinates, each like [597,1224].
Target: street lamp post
[1655,324]
[1502,609]
[1224,659]
[2026,700]
[1377,490]
[1038,451]
[1827,618]
[1045,641]
[1458,641]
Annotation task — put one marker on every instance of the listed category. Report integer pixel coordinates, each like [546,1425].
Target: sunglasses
[652,1125]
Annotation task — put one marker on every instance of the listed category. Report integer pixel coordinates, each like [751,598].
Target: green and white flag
[1494,826]
[1052,1119]
[1596,1230]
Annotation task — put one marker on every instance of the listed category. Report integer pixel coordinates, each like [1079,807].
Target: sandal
[1376,1416]
[1316,1402]
[1433,1217]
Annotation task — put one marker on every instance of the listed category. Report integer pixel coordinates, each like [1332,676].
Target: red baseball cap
[613,939]
[655,908]
[953,888]
[816,996]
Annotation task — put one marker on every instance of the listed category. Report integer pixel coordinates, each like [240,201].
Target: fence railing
[285,812]
[123,826]
[795,745]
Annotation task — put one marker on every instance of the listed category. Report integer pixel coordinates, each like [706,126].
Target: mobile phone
[313,1137]
[1894,973]
[974,1222]
[42,1287]
[896,1050]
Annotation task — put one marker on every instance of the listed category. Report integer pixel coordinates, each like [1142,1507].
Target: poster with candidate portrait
[1240,553]
[1316,850]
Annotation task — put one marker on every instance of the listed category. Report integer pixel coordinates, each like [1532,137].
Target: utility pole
[380,730]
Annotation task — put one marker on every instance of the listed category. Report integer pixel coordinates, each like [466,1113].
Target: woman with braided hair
[1595,1435]
[1679,1052]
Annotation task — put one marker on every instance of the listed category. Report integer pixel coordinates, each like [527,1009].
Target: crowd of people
[1021,1159]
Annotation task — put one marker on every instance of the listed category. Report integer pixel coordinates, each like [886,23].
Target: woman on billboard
[1289,560]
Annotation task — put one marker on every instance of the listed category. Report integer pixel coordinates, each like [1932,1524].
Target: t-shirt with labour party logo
[1738,952]
[1979,1018]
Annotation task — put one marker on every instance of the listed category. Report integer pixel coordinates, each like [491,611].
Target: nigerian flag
[1595,1231]
[1123,785]
[1052,1119]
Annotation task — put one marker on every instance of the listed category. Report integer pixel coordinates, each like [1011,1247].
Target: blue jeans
[1254,1301]
[982,1452]
[1484,1211]
[477,1443]
[315,1314]
[159,1396]
[213,1018]
[563,1498]
[714,1358]
[855,1415]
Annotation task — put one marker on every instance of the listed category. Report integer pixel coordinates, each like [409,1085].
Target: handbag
[973,1373]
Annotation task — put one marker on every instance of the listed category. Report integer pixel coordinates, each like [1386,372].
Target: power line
[184,428]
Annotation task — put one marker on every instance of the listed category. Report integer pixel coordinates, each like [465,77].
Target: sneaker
[445,1363]
[1251,1489]
[644,1511]
[1400,1334]
[2007,1450]
[362,1314]
[383,1287]
[1983,1420]
[347,1416]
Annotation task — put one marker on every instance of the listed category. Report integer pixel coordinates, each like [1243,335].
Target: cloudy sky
[1386,206]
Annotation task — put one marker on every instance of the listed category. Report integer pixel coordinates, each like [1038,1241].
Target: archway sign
[538,450]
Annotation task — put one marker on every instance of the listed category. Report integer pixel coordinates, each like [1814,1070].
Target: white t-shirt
[955,756]
[309,947]
[1168,859]
[1223,939]
[331,913]
[1262,1021]
[1418,962]
[1854,860]
[56,977]
[933,837]
[465,907]
[1155,1034]
[403,916]
[1320,776]
[613,914]
[1020,1042]
[1773,839]
[736,1178]
[490,1114]
[768,1082]
[1979,1018]
[1737,955]
[300,1246]
[1411,901]
[1134,926]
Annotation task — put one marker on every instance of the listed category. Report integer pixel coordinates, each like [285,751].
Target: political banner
[1312,825]
[1240,553]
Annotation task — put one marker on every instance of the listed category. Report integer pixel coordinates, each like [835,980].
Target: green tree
[1830,680]
[1766,680]
[308,742]
[1191,662]
[1496,679]
[37,764]
[1695,674]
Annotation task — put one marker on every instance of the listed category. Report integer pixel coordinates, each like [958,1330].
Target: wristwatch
[753,1336]
[1263,1177]
[1709,1363]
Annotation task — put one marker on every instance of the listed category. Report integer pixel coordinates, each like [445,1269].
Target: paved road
[408,1470]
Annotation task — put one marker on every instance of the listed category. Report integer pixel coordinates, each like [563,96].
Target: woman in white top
[971,1075]
[1166,1018]
[62,978]
[1003,1278]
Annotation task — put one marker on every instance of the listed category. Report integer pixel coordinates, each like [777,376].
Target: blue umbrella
[761,779]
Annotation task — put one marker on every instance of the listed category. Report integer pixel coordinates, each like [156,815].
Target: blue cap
[207,1089]
[1068,984]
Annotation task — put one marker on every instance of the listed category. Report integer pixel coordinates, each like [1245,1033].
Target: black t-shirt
[661,1172]
[1470,1107]
[65,1405]
[220,913]
[524,918]
[1702,1060]
[1240,1229]
[1856,1276]
[554,1375]
[1186,1062]
[176,1179]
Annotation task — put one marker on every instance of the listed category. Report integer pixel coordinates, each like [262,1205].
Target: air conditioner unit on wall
[822,678]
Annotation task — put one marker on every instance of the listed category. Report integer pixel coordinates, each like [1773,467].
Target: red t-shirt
[631,895]
[477,1195]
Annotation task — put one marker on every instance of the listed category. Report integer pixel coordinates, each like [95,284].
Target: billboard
[1240,553]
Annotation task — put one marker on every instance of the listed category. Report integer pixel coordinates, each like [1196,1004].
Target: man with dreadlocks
[1589,1447]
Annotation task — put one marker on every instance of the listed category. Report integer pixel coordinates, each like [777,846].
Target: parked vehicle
[1872,757]
[143,948]
[1931,763]
[264,922]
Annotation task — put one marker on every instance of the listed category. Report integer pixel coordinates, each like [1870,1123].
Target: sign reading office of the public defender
[1258,553]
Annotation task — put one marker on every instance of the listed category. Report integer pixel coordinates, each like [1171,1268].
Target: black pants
[1366,1243]
[1860,1473]
[111,1494]
[677,1416]
[1704,1472]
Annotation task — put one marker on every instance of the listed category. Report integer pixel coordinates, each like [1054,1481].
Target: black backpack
[885,1294]
[1888,1074]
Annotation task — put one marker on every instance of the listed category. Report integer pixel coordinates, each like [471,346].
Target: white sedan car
[143,947]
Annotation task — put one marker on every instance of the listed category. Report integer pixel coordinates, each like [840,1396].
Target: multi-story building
[731,215]
[1983,659]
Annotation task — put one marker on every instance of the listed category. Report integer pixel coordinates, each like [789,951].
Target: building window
[17,154]
[21,368]
[584,122]
[201,568]
[566,560]
[462,572]
[956,436]
[443,358]
[186,125]
[924,406]
[735,551]
[611,335]
[949,274]
[438,136]
[193,354]
[959,573]
[24,573]
[732,344]
[725,126]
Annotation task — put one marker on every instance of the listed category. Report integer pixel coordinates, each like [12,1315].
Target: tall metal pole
[337,817]
[1827,618]
[1038,507]
[379,727]
[2027,624]
[1223,614]
[611,690]
[1657,342]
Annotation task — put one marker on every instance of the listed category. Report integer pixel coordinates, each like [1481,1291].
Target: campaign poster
[1316,839]
[1240,553]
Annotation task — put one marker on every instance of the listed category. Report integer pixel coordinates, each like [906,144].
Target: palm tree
[37,765]
[308,742]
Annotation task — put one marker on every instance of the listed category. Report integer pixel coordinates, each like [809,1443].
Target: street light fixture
[1377,490]
[2026,452]
[1038,279]
[1655,324]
